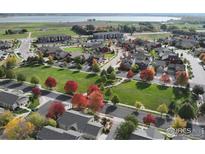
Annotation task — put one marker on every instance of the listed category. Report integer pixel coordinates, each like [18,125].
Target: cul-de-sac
[102,77]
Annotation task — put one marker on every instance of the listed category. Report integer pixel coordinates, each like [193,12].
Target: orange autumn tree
[147,74]
[18,129]
[182,78]
[165,78]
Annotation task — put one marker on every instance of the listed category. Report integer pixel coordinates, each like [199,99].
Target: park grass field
[73,49]
[151,95]
[61,75]
[109,55]
[152,36]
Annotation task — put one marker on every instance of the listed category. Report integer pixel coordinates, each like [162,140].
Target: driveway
[115,61]
[24,48]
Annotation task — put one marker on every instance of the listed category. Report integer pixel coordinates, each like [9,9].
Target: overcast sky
[102,6]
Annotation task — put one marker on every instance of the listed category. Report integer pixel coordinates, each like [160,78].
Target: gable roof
[52,133]
[151,133]
[74,119]
[8,98]
[92,128]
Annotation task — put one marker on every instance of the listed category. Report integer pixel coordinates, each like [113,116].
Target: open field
[152,36]
[37,29]
[36,32]
[73,49]
[151,95]
[61,75]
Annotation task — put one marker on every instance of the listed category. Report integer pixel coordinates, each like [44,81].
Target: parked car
[203,67]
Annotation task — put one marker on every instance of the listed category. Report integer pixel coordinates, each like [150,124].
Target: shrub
[10,74]
[21,77]
[115,99]
[34,80]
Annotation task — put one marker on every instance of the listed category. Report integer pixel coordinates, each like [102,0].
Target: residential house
[151,133]
[159,66]
[52,133]
[82,123]
[171,58]
[108,35]
[53,39]
[5,45]
[55,52]
[12,101]
[173,68]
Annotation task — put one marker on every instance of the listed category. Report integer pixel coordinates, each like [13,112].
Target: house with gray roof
[53,39]
[52,133]
[85,124]
[108,35]
[5,45]
[151,133]
[12,101]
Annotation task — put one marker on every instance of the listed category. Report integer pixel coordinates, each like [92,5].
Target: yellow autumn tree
[179,123]
[5,117]
[11,61]
[18,129]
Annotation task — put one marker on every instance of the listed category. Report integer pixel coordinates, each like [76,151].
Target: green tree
[21,77]
[103,73]
[112,76]
[125,130]
[187,111]
[163,27]
[133,119]
[110,70]
[37,120]
[115,100]
[108,92]
[138,105]
[2,72]
[162,108]
[95,67]
[51,122]
[135,68]
[34,80]
[10,74]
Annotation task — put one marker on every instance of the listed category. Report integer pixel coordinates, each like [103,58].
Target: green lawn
[152,36]
[36,32]
[73,49]
[61,75]
[109,55]
[13,36]
[37,29]
[150,95]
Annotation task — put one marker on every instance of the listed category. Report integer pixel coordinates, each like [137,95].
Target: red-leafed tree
[182,78]
[55,110]
[71,86]
[79,101]
[96,101]
[149,119]
[165,78]
[147,74]
[50,82]
[92,88]
[36,92]
[130,74]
